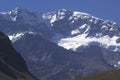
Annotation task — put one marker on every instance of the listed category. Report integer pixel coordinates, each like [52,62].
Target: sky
[105,9]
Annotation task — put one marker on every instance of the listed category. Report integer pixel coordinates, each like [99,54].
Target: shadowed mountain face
[51,62]
[12,65]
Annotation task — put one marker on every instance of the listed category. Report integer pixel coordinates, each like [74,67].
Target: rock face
[12,65]
[51,62]
[63,42]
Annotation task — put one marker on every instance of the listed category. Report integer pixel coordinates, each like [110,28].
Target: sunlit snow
[15,37]
[53,18]
[3,12]
[82,40]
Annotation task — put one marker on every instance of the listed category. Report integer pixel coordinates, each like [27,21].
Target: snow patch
[75,32]
[3,13]
[53,19]
[75,13]
[61,14]
[14,18]
[82,40]
[15,37]
[118,62]
[72,43]
[83,26]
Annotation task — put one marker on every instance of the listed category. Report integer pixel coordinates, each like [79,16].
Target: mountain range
[63,44]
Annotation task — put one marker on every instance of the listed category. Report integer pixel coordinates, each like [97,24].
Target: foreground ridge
[12,65]
[109,75]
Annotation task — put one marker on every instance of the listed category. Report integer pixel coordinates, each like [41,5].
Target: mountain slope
[72,30]
[12,65]
[109,75]
[51,62]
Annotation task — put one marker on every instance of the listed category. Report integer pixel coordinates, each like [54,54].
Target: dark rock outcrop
[12,65]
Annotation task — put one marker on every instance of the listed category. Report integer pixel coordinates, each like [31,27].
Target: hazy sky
[106,9]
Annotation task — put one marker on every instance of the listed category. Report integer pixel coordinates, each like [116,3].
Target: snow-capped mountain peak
[56,15]
[14,13]
[68,29]
[83,29]
[72,30]
[20,15]
[63,14]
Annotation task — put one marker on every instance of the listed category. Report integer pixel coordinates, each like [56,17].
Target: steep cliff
[12,65]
